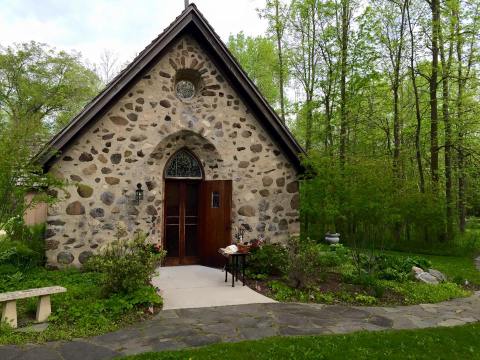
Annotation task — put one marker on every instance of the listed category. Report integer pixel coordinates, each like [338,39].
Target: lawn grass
[80,312]
[462,342]
[456,267]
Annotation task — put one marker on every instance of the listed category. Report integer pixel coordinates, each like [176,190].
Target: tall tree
[418,116]
[465,36]
[328,84]
[43,87]
[277,15]
[343,40]
[257,56]
[391,16]
[446,57]
[304,28]
[434,150]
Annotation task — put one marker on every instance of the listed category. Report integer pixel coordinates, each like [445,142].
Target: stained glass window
[183,165]
[185,90]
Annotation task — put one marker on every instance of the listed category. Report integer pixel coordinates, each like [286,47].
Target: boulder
[427,278]
[438,275]
[416,270]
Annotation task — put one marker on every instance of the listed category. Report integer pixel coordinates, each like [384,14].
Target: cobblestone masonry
[177,329]
[133,141]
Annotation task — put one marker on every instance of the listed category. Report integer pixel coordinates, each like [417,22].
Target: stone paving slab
[183,328]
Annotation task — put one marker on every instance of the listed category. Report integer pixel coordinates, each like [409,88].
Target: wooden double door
[197,221]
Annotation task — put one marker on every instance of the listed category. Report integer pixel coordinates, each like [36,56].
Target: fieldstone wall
[132,143]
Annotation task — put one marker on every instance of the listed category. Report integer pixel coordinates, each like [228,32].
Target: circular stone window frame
[188,75]
[186,83]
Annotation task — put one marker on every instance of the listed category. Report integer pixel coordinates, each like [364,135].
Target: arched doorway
[197,212]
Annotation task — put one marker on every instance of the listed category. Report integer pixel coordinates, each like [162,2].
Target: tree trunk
[309,124]
[446,65]
[435,7]
[279,34]
[460,155]
[343,77]
[418,116]
[395,87]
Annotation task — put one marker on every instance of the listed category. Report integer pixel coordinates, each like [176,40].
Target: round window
[185,90]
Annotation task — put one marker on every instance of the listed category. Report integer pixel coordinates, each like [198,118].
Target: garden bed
[337,275]
[80,312]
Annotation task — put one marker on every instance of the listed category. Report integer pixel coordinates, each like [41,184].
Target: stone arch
[205,151]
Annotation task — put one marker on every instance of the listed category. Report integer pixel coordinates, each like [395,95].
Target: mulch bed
[332,283]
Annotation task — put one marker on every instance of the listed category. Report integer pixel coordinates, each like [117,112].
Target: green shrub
[128,265]
[365,299]
[282,292]
[270,259]
[387,266]
[308,263]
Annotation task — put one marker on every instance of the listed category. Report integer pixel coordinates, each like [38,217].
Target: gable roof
[190,21]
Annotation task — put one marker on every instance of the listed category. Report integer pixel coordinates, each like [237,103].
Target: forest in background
[383,95]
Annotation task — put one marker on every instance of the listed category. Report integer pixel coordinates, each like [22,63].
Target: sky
[123,27]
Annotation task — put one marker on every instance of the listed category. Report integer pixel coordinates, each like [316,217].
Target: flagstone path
[176,329]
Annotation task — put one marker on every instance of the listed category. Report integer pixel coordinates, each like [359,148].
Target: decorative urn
[332,238]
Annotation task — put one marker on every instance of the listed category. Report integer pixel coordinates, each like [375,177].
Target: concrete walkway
[177,329]
[196,286]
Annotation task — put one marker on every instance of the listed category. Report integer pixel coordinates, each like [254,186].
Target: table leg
[243,270]
[233,271]
[238,266]
[9,313]
[226,269]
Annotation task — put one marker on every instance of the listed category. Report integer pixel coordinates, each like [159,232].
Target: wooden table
[232,263]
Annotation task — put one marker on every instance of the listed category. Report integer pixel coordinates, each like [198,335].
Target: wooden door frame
[181,260]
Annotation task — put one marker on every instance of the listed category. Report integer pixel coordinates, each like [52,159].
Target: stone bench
[44,308]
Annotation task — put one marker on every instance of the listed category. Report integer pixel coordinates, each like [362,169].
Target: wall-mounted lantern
[138,194]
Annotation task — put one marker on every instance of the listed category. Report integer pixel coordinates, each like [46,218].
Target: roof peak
[191,20]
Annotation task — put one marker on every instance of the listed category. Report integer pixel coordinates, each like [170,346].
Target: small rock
[84,256]
[246,210]
[84,157]
[97,212]
[112,180]
[119,120]
[107,198]
[84,191]
[426,278]
[65,257]
[75,208]
[115,158]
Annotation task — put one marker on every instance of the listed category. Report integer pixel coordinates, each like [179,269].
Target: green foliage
[365,299]
[415,292]
[383,276]
[22,248]
[257,55]
[19,175]
[462,342]
[43,87]
[127,265]
[269,259]
[307,262]
[366,208]
[82,311]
